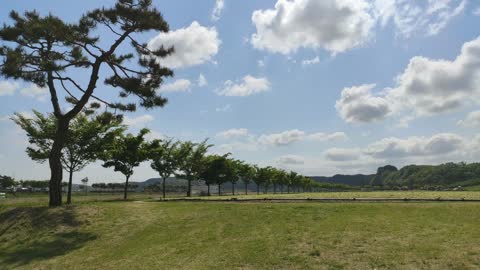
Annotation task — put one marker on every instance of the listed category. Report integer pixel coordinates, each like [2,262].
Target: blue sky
[320,87]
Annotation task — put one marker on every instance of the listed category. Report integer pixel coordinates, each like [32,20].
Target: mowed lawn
[216,235]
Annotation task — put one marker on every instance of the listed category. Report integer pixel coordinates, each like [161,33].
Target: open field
[39,199]
[188,235]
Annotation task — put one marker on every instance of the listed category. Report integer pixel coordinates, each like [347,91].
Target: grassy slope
[153,235]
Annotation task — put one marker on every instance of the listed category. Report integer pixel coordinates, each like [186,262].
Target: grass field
[147,234]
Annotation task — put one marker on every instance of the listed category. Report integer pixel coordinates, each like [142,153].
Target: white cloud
[202,81]
[439,144]
[234,132]
[312,61]
[472,120]
[217,10]
[283,138]
[138,121]
[423,17]
[261,63]
[290,160]
[193,45]
[334,25]
[249,86]
[225,108]
[342,154]
[180,85]
[358,105]
[8,88]
[434,86]
[324,137]
[4,118]
[34,91]
[426,87]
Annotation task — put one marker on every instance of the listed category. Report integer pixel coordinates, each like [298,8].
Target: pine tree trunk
[163,188]
[189,188]
[69,194]
[208,189]
[246,188]
[54,160]
[219,189]
[126,188]
[258,189]
[274,188]
[233,188]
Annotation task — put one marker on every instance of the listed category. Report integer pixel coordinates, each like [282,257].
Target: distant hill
[352,180]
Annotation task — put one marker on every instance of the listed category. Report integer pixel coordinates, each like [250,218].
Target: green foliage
[87,137]
[127,152]
[426,176]
[193,162]
[217,170]
[6,181]
[49,52]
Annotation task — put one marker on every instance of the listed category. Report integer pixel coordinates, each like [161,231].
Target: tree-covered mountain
[413,176]
[424,176]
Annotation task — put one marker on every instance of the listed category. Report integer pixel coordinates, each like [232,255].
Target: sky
[316,86]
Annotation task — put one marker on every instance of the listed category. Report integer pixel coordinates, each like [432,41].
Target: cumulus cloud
[138,121]
[193,45]
[217,10]
[180,85]
[248,86]
[312,61]
[290,160]
[426,87]
[438,144]
[334,25]
[202,81]
[34,91]
[8,88]
[472,120]
[234,132]
[433,86]
[358,105]
[324,137]
[283,138]
[342,154]
[423,17]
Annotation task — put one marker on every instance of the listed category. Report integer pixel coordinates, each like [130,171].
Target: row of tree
[93,137]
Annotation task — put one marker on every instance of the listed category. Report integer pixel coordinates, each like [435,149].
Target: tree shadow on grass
[60,244]
[39,233]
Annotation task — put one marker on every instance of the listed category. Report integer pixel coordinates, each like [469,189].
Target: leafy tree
[85,140]
[216,171]
[262,177]
[283,179]
[291,180]
[6,181]
[194,163]
[247,173]
[234,166]
[166,157]
[126,153]
[51,53]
